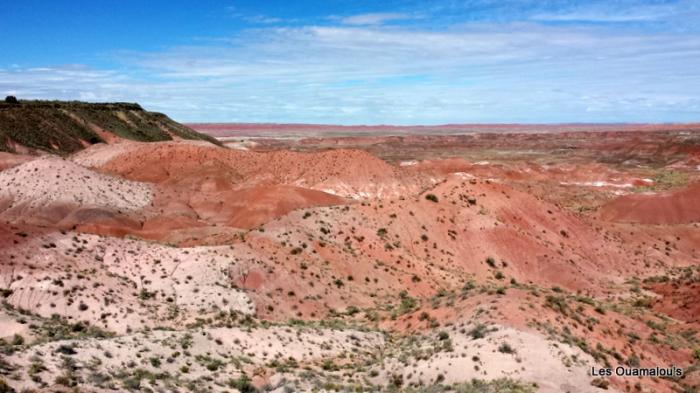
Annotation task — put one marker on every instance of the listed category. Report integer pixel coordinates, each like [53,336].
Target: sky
[362,61]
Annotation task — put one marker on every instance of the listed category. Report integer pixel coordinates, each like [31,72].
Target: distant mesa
[65,127]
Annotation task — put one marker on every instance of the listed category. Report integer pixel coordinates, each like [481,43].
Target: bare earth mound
[676,207]
[251,207]
[49,188]
[346,173]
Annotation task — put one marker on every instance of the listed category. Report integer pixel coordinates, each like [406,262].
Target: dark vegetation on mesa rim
[64,127]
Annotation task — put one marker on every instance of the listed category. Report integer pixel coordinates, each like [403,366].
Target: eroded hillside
[62,127]
[190,267]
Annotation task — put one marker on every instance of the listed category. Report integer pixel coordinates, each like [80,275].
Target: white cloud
[263,19]
[254,18]
[373,18]
[380,74]
[610,13]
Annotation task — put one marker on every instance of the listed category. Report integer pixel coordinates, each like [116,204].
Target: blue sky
[362,62]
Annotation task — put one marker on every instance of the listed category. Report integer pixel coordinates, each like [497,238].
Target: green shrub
[478,331]
[155,362]
[501,385]
[17,339]
[407,305]
[468,286]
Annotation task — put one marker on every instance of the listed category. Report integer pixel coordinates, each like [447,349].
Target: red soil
[252,207]
[679,299]
[189,164]
[675,207]
[313,234]
[8,160]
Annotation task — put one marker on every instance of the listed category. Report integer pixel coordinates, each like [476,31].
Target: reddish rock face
[680,206]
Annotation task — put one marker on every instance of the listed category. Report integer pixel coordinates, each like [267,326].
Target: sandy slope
[233,350]
[530,357]
[115,283]
[48,188]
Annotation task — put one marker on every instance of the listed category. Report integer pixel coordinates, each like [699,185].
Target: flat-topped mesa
[129,106]
[64,127]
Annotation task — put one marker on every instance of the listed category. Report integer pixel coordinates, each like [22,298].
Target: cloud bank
[570,65]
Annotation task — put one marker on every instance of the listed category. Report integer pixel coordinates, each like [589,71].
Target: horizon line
[697,122]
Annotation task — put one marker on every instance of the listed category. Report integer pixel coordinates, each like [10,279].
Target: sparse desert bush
[496,386]
[66,349]
[5,388]
[432,198]
[397,380]
[155,362]
[407,304]
[352,310]
[558,303]
[468,286]
[643,302]
[600,383]
[491,262]
[478,331]
[666,179]
[506,348]
[328,365]
[145,294]
[17,339]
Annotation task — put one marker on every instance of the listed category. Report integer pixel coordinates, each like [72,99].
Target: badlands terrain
[512,259]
